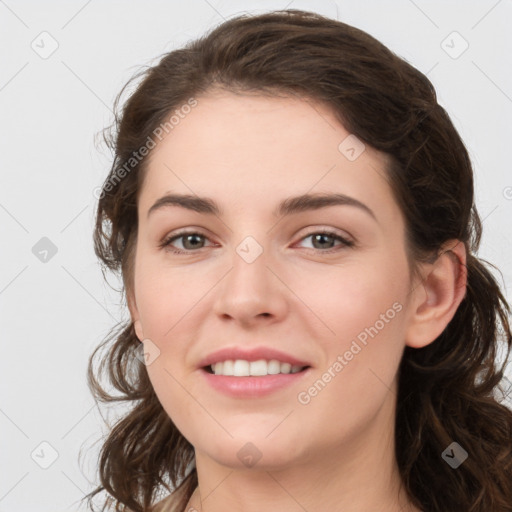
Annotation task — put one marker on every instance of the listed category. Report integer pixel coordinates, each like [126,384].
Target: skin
[248,153]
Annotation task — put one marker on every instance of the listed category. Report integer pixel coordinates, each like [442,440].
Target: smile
[259,368]
[245,385]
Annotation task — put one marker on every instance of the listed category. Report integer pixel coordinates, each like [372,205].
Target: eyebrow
[289,206]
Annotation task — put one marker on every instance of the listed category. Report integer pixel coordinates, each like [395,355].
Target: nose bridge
[250,288]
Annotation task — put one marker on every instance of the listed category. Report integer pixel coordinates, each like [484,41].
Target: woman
[292,215]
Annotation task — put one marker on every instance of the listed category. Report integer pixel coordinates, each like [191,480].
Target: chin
[255,452]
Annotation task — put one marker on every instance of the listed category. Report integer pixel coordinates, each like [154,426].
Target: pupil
[191,237]
[320,236]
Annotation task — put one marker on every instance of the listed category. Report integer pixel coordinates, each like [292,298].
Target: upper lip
[253,354]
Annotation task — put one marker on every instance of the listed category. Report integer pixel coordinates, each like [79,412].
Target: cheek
[363,313]
[371,346]
[354,298]
[176,397]
[164,295]
[361,359]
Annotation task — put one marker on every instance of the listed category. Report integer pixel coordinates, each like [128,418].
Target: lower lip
[252,387]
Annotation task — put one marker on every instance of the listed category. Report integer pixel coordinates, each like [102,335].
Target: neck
[360,474]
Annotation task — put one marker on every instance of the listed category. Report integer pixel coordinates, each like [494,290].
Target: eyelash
[166,242]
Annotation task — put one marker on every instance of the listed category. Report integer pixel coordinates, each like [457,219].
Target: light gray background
[54,313]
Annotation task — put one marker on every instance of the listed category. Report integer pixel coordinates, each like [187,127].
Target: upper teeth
[242,368]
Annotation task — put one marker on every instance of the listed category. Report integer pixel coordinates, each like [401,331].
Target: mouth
[259,368]
[253,372]
[242,379]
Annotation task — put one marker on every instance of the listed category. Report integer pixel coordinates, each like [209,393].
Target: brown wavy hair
[447,390]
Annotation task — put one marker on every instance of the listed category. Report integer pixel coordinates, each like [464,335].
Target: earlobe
[134,313]
[138,330]
[437,298]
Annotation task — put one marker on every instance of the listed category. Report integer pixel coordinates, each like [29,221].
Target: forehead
[251,151]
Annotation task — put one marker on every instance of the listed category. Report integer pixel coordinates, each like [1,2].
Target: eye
[192,240]
[324,239]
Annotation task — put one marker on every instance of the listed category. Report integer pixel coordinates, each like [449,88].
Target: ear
[134,313]
[437,297]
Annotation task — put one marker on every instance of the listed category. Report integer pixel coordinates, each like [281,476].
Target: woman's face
[257,275]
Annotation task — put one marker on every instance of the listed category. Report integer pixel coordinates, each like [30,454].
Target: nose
[251,293]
